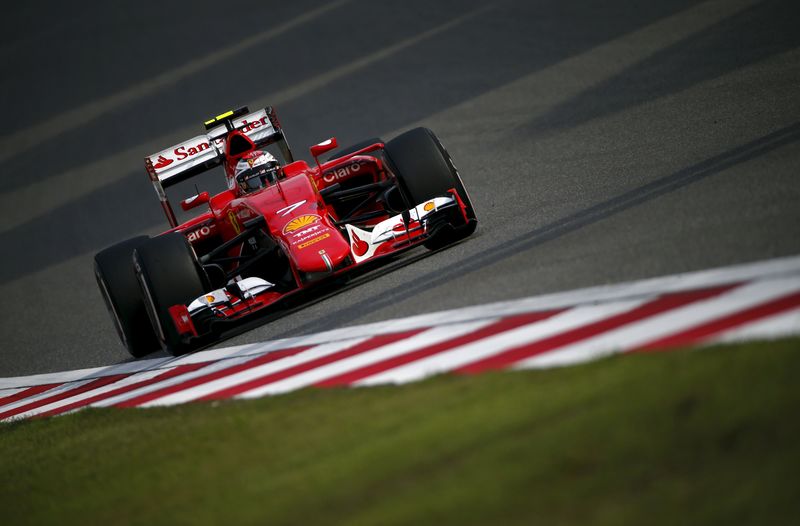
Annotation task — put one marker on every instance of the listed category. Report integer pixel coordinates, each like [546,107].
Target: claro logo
[341,173]
[199,234]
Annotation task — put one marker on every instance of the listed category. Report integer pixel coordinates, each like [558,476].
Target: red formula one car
[279,229]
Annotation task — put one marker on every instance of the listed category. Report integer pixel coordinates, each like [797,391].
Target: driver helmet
[255,170]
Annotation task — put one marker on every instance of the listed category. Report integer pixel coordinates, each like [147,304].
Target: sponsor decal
[234,222]
[341,173]
[215,297]
[300,238]
[360,246]
[182,152]
[199,234]
[313,241]
[301,222]
[162,162]
[263,121]
[190,148]
[287,210]
[429,206]
[306,231]
[258,161]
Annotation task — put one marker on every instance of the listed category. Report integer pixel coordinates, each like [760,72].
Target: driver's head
[256,170]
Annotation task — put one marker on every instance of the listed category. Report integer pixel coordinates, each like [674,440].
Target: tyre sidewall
[168,274]
[424,169]
[119,287]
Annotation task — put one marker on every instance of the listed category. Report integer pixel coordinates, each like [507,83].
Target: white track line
[424,339]
[660,285]
[210,368]
[224,353]
[308,355]
[81,180]
[84,374]
[655,327]
[708,278]
[11,392]
[483,348]
[130,380]
[43,395]
[76,117]
[777,326]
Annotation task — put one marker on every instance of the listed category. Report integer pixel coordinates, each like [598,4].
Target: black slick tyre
[168,274]
[113,269]
[424,170]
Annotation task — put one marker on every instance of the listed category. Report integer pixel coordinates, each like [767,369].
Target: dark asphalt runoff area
[601,142]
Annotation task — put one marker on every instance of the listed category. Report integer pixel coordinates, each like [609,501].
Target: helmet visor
[258,177]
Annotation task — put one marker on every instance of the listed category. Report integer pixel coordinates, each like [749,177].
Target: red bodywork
[320,238]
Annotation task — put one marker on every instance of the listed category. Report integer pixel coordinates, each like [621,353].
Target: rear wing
[204,152]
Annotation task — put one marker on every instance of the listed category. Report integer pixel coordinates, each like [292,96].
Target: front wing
[206,317]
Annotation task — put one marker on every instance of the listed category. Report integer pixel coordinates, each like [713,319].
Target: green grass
[691,437]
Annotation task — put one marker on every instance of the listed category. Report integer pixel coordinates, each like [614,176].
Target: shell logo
[300,222]
[429,206]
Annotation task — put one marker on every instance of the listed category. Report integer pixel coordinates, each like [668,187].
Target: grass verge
[708,437]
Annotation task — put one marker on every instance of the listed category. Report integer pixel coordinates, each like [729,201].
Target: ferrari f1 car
[289,227]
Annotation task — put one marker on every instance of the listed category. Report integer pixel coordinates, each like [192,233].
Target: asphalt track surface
[601,142]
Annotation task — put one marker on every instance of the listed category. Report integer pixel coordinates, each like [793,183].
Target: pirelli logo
[313,241]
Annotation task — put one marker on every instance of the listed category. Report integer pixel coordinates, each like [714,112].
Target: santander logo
[186,150]
[162,162]
[194,147]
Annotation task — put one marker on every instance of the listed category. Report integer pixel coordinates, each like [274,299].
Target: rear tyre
[424,170]
[113,269]
[169,274]
[354,148]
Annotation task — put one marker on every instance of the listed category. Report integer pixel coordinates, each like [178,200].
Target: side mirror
[194,201]
[324,146]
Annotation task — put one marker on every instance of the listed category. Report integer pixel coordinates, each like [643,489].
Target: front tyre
[424,170]
[169,274]
[113,269]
